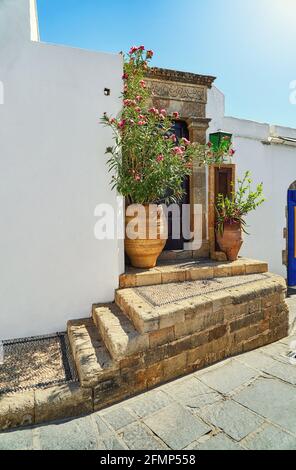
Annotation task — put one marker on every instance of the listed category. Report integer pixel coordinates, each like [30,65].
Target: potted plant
[231,212]
[147,163]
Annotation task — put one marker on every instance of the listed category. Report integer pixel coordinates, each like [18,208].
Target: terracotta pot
[151,226]
[231,241]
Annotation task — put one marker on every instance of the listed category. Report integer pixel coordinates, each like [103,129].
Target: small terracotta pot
[231,241]
[144,251]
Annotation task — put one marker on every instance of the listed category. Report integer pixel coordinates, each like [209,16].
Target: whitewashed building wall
[53,175]
[274,165]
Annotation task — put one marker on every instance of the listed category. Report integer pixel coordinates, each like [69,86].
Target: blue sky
[249,45]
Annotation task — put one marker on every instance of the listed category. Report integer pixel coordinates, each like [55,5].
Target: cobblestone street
[248,402]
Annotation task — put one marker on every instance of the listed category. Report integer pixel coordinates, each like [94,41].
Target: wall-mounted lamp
[217,138]
[107,92]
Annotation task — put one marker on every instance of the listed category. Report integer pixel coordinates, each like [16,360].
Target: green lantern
[221,140]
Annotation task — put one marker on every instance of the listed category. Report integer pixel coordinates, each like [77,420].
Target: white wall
[275,166]
[53,174]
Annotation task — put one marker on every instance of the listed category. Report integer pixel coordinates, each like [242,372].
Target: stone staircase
[174,319]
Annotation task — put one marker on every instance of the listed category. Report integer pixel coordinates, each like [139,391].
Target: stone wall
[256,317]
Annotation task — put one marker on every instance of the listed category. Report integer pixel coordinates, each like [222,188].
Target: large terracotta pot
[231,241]
[151,225]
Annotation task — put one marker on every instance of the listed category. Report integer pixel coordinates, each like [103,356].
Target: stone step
[177,255]
[180,327]
[167,272]
[188,306]
[93,361]
[118,333]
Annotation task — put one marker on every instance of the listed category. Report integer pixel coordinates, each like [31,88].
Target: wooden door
[221,180]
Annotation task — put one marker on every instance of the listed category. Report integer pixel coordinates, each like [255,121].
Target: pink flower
[139,98]
[132,122]
[142,123]
[138,109]
[160,158]
[122,123]
[126,102]
[152,110]
[163,112]
[141,48]
[133,50]
[186,141]
[150,54]
[143,83]
[210,145]
[162,116]
[125,76]
[176,115]
[112,120]
[178,151]
[231,152]
[173,138]
[137,177]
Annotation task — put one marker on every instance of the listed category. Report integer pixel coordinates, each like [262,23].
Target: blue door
[292,237]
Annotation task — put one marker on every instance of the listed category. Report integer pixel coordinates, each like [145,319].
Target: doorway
[292,236]
[221,181]
[181,131]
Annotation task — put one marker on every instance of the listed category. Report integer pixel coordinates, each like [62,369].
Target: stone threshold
[147,317]
[178,255]
[189,270]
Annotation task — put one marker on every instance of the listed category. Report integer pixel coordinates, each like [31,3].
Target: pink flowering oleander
[148,162]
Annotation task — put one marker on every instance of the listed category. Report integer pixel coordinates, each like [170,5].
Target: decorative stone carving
[178,91]
[166,75]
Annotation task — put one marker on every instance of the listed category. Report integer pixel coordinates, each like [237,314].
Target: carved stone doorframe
[187,94]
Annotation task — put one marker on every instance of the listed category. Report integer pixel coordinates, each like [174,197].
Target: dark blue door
[292,237]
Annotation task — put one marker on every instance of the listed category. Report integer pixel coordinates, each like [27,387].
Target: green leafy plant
[233,209]
[147,162]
